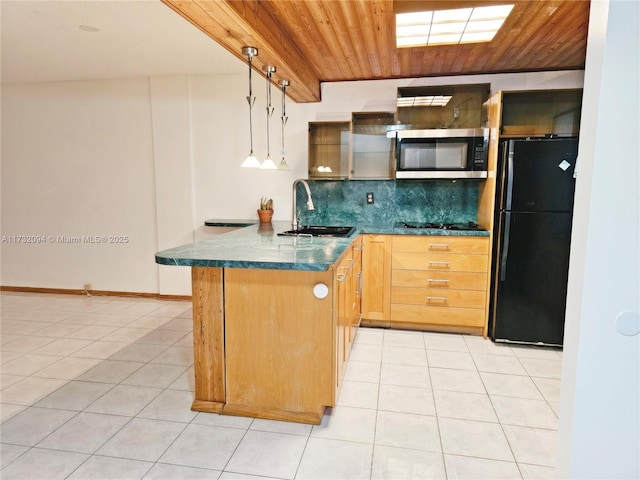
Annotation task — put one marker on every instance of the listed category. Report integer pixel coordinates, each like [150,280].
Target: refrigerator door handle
[510,155]
[505,246]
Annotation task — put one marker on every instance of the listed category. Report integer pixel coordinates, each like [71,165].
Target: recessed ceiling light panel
[423,101]
[450,27]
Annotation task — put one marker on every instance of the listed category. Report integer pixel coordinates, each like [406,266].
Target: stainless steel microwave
[442,153]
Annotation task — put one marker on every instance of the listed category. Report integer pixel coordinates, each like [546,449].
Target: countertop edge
[189,262]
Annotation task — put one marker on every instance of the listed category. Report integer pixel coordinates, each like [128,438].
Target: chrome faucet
[296,219]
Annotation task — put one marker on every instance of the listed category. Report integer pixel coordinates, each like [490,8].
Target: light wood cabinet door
[441,244]
[442,316]
[341,326]
[356,287]
[439,280]
[279,342]
[376,279]
[441,262]
[345,288]
[433,297]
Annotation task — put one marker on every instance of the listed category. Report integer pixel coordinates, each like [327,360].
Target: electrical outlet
[370,198]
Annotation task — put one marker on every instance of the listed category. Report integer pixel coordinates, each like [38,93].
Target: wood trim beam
[234,24]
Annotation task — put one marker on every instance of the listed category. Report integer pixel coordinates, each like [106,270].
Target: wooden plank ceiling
[313,41]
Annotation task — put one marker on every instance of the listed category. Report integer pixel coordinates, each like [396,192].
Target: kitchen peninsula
[270,321]
[275,317]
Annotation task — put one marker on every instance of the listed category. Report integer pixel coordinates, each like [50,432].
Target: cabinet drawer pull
[341,277]
[431,262]
[348,267]
[436,280]
[439,245]
[358,246]
[437,299]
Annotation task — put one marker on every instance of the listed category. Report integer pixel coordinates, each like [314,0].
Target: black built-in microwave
[442,153]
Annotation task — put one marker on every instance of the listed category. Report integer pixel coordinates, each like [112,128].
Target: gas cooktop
[439,226]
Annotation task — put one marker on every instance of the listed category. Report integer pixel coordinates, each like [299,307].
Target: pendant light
[283,85]
[251,161]
[268,71]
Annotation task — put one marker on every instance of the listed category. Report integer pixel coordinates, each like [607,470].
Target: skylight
[446,27]
[424,101]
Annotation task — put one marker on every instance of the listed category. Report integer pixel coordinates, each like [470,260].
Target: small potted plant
[265,212]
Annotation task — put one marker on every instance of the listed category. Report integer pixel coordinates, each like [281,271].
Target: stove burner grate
[439,226]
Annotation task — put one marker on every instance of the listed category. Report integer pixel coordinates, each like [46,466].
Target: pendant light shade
[283,86]
[251,161]
[268,71]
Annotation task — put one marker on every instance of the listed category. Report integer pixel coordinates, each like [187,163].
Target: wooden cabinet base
[313,418]
[422,327]
[264,344]
[368,322]
[208,407]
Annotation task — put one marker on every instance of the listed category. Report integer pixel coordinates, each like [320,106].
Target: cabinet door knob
[320,290]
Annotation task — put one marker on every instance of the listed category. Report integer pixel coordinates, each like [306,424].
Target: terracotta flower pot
[265,216]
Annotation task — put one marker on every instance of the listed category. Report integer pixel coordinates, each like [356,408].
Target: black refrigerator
[535,209]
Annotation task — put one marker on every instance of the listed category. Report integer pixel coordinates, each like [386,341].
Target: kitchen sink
[320,231]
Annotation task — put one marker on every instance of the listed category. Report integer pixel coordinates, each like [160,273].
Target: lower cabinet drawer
[435,297]
[441,243]
[466,317]
[439,262]
[439,280]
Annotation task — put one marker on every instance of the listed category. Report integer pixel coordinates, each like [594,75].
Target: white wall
[152,159]
[173,173]
[77,159]
[599,433]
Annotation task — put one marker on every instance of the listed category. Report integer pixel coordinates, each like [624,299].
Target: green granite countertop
[259,246]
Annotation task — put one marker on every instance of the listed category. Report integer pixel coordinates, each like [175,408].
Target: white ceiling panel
[57,41]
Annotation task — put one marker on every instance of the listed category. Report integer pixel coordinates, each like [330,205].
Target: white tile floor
[100,387]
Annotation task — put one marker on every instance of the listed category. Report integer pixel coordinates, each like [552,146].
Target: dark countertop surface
[230,222]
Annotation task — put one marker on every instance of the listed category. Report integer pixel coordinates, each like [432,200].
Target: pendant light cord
[250,100]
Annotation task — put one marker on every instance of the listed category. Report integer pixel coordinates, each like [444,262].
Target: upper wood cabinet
[329,150]
[541,113]
[372,152]
[442,106]
[359,149]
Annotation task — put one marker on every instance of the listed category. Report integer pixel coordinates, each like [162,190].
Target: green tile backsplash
[343,202]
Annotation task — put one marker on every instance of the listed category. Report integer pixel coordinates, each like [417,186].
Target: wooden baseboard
[69,291]
[367,322]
